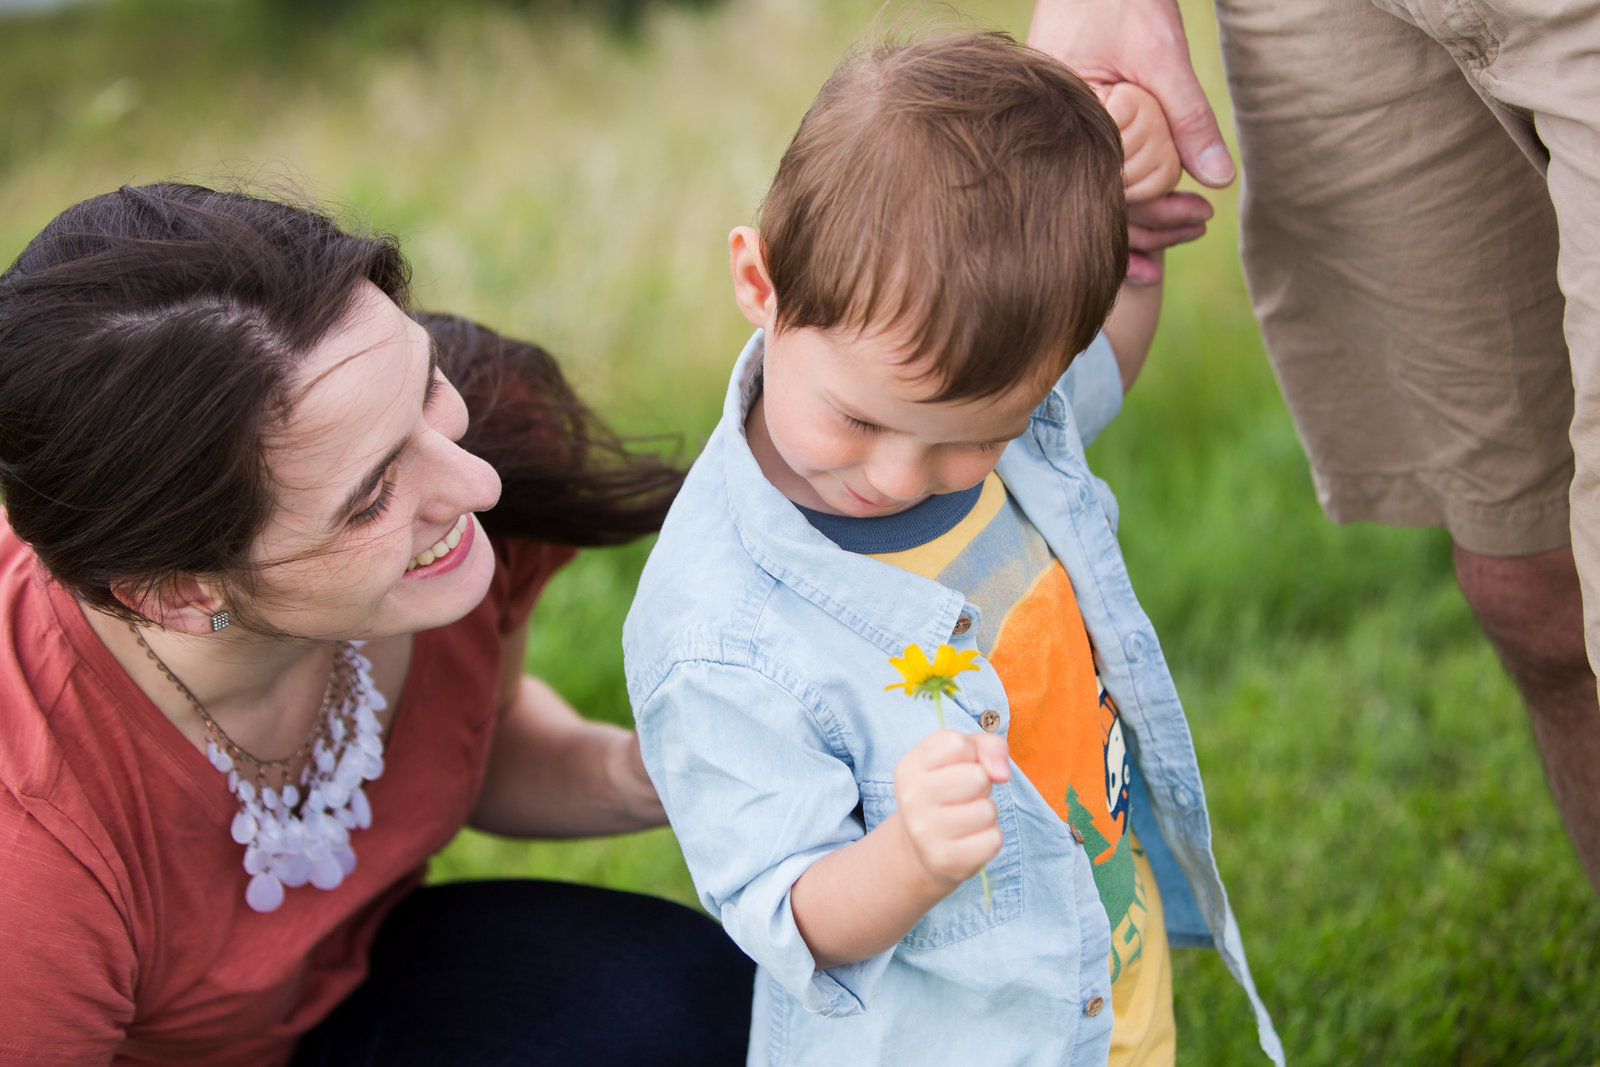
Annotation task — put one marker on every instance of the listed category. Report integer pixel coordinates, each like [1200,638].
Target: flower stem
[983,872]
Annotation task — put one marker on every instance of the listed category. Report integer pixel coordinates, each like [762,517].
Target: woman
[259,658]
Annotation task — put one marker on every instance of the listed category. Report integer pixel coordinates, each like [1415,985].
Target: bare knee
[1531,608]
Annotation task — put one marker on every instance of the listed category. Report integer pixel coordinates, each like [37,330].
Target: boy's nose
[900,477]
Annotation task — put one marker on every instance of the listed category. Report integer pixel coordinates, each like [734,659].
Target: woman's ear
[752,288]
[182,604]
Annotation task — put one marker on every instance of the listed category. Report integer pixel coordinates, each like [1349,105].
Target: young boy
[900,462]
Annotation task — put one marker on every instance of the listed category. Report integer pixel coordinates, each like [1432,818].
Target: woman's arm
[553,773]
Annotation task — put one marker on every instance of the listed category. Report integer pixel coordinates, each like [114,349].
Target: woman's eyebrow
[364,489]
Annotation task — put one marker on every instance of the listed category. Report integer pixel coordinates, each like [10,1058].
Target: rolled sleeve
[1092,386]
[756,794]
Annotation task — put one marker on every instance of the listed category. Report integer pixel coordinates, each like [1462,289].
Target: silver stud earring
[220,620]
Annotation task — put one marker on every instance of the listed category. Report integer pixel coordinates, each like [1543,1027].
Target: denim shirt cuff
[835,992]
[845,989]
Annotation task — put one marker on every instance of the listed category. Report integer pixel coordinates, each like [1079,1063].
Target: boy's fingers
[993,755]
[956,783]
[955,859]
[940,749]
[963,820]
[1120,103]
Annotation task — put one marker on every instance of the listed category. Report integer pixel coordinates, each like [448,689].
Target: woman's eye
[373,511]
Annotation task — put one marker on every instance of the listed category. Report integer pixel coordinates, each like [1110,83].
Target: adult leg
[1401,255]
[1534,64]
[1532,611]
[535,973]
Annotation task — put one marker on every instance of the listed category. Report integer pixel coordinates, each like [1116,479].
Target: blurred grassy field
[1402,881]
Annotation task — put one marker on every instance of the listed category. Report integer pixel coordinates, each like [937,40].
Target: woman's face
[373,534]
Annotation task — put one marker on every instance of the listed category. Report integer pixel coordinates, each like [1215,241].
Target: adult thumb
[1194,128]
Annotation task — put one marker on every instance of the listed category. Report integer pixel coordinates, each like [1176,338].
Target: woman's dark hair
[148,340]
[566,477]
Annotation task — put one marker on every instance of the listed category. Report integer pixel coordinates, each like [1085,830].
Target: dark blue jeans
[526,972]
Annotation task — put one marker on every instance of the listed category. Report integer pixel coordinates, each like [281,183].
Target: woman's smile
[441,556]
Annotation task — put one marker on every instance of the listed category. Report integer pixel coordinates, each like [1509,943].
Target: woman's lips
[446,553]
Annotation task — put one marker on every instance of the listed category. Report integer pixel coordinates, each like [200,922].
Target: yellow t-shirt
[1066,736]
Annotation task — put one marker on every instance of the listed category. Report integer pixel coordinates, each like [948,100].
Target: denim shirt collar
[906,608]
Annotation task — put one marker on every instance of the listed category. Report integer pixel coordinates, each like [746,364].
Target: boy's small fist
[942,789]
[1150,164]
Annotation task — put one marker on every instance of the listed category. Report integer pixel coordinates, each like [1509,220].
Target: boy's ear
[182,604]
[752,288]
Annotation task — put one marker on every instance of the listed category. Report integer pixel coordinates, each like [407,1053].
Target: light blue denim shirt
[757,654]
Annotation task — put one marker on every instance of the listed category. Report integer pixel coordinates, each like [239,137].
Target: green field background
[569,172]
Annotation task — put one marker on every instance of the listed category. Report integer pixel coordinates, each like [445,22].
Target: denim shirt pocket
[963,913]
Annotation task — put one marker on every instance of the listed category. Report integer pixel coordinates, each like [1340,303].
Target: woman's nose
[461,482]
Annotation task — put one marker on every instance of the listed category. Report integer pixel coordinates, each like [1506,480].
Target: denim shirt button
[1081,495]
[1093,1006]
[1184,796]
[963,624]
[1135,647]
[989,720]
[1077,834]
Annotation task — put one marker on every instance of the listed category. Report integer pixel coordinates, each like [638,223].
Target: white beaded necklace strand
[298,833]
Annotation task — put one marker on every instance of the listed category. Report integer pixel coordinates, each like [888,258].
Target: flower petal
[913,666]
[949,663]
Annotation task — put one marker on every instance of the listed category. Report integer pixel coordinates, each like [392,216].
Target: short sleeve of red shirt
[68,966]
[122,914]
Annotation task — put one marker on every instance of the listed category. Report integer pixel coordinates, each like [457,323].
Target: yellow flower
[931,680]
[936,680]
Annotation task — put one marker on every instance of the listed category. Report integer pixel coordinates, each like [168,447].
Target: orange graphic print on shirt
[1066,737]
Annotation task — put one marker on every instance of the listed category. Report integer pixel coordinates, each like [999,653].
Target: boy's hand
[942,788]
[1150,164]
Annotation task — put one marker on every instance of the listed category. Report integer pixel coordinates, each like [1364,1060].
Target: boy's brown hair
[962,190]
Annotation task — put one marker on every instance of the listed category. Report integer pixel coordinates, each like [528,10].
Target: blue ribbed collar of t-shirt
[915,526]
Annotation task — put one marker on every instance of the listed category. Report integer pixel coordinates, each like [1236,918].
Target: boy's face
[844,426]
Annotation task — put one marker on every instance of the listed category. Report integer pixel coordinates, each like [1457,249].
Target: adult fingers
[1172,209]
[1191,120]
[1143,269]
[1166,221]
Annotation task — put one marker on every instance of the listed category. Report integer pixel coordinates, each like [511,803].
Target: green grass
[1401,879]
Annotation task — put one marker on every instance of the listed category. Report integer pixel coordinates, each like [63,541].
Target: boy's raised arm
[1157,218]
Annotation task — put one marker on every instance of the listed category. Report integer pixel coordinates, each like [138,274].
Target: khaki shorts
[1408,166]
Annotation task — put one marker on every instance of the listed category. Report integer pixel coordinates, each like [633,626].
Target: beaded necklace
[294,832]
